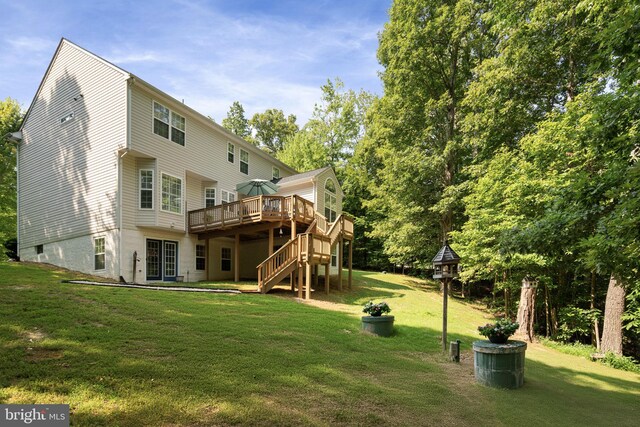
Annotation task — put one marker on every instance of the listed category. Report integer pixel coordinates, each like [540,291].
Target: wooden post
[206,259]
[340,251]
[270,241]
[291,280]
[445,294]
[236,261]
[350,263]
[293,229]
[327,277]
[300,285]
[315,276]
[307,294]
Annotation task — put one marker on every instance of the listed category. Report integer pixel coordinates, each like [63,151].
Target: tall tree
[236,121]
[10,120]
[272,129]
[428,50]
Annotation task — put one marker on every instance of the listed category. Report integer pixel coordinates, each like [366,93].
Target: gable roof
[135,80]
[64,42]
[304,176]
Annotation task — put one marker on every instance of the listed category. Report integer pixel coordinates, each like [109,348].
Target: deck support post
[307,294]
[291,280]
[327,277]
[206,259]
[350,262]
[293,229]
[300,285]
[236,261]
[340,252]
[270,241]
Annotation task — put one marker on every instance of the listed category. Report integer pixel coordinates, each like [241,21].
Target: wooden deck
[251,210]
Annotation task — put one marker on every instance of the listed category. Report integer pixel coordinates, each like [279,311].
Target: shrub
[376,309]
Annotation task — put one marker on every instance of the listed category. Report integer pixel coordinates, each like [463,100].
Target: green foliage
[623,363]
[501,328]
[272,129]
[575,349]
[304,152]
[236,122]
[575,323]
[10,121]
[376,309]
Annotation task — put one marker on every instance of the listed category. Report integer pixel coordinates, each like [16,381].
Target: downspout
[128,82]
[18,139]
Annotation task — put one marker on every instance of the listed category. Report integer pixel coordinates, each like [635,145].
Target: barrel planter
[499,365]
[379,325]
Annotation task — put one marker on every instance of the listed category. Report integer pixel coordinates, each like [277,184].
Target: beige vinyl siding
[68,172]
[129,191]
[205,152]
[195,193]
[304,190]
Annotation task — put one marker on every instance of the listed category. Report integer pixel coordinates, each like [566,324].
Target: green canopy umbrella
[257,187]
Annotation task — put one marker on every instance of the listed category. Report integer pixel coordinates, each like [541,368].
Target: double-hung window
[171,194]
[99,253]
[201,260]
[275,172]
[231,152]
[228,196]
[146,189]
[209,197]
[244,162]
[168,124]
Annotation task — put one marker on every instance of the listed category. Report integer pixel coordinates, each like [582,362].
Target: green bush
[575,323]
[623,363]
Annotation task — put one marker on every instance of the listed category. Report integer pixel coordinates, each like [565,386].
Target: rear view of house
[118,179]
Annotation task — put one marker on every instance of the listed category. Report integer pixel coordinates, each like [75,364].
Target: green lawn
[140,357]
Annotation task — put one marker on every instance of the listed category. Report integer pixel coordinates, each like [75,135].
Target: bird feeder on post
[445,268]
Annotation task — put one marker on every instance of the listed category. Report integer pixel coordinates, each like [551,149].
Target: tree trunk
[546,311]
[526,309]
[595,335]
[613,309]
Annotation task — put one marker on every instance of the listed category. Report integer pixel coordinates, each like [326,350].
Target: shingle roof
[300,176]
[446,255]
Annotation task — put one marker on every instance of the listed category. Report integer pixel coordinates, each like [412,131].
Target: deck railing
[281,259]
[249,210]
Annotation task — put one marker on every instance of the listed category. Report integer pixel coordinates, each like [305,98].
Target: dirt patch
[34,335]
[40,354]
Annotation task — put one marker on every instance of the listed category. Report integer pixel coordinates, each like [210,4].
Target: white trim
[181,194]
[241,162]
[215,195]
[169,123]
[273,175]
[146,189]
[95,253]
[233,193]
[229,143]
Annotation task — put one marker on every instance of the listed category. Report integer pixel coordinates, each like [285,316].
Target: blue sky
[265,54]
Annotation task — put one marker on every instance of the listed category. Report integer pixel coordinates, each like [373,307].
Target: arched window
[330,200]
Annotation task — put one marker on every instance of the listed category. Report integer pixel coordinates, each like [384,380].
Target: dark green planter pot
[379,325]
[499,365]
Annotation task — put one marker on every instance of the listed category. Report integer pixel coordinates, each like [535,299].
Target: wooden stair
[310,248]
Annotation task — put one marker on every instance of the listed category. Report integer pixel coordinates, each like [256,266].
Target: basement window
[39,249]
[225,259]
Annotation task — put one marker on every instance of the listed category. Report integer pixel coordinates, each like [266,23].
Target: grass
[135,357]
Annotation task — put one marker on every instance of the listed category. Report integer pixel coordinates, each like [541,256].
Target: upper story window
[330,201]
[275,172]
[228,196]
[168,124]
[171,194]
[231,152]
[146,189]
[209,197]
[244,162]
